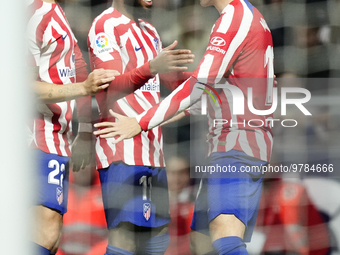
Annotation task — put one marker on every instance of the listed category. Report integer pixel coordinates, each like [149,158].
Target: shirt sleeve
[172,80]
[223,49]
[34,44]
[194,109]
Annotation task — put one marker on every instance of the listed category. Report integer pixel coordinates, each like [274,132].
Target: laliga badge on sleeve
[102,44]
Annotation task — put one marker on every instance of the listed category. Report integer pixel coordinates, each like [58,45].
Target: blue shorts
[237,193]
[53,176]
[135,194]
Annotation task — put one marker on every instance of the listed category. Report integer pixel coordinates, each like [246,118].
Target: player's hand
[124,128]
[171,60]
[82,149]
[174,118]
[98,80]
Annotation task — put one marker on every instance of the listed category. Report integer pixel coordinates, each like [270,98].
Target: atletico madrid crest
[60,196]
[147,210]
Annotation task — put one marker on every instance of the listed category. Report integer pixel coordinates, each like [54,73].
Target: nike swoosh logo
[64,37]
[137,49]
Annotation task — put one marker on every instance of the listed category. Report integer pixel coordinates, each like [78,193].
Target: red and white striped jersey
[53,48]
[119,43]
[239,54]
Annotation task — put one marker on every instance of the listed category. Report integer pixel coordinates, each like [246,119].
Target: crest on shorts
[147,210]
[60,195]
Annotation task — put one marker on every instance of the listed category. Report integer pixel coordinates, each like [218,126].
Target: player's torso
[256,51]
[49,30]
[248,76]
[137,43]
[56,41]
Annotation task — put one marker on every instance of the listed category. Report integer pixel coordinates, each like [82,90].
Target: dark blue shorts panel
[135,194]
[239,194]
[53,176]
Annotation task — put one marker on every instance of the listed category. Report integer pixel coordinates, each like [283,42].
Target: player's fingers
[111,134]
[75,167]
[116,115]
[172,46]
[180,52]
[110,73]
[104,131]
[106,136]
[183,56]
[86,162]
[117,140]
[182,62]
[178,68]
[99,72]
[103,74]
[107,79]
[83,166]
[101,87]
[108,76]
[104,124]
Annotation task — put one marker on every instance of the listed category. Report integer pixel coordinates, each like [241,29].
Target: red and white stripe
[243,56]
[131,45]
[51,47]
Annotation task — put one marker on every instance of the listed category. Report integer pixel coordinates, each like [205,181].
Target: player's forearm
[49,93]
[179,100]
[195,109]
[84,114]
[127,83]
[84,109]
